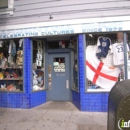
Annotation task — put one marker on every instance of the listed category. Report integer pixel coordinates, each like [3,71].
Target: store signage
[64,29]
[59,68]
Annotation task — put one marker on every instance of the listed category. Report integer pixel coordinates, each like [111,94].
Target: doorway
[60,90]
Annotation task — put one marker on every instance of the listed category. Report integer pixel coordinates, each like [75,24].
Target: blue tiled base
[21,100]
[37,98]
[94,102]
[76,99]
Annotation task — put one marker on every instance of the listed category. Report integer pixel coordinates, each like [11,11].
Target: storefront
[62,62]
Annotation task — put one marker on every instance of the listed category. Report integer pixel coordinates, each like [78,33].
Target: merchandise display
[118,53]
[11,69]
[104,61]
[38,66]
[103,44]
[73,45]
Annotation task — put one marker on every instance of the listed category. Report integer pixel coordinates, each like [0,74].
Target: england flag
[99,73]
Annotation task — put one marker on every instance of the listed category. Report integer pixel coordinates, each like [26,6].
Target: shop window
[58,44]
[11,65]
[73,46]
[59,64]
[104,61]
[38,66]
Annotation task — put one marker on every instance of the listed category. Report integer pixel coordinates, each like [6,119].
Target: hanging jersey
[39,54]
[103,44]
[108,61]
[118,53]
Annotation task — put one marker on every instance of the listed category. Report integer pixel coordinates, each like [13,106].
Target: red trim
[99,73]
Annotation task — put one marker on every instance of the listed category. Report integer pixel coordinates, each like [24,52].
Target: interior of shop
[11,65]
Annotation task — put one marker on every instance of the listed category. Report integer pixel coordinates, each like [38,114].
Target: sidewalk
[52,116]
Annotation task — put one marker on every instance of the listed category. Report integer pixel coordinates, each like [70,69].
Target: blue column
[27,65]
[82,70]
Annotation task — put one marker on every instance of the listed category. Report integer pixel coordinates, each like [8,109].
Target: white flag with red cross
[100,74]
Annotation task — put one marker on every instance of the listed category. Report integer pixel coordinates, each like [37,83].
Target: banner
[66,29]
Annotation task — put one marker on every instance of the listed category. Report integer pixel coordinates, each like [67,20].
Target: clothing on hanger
[103,44]
[39,54]
[12,48]
[118,53]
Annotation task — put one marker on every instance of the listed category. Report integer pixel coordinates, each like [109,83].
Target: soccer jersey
[118,53]
[103,44]
[108,61]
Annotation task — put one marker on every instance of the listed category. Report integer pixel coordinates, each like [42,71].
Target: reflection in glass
[38,66]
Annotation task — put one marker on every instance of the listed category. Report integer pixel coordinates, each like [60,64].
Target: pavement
[52,116]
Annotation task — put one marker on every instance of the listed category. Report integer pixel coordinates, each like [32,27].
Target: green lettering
[122,124]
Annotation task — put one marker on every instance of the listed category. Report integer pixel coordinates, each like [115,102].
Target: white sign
[66,29]
[59,68]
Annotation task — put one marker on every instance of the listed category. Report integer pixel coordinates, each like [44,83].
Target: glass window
[38,66]
[104,61]
[73,46]
[59,64]
[11,65]
[58,44]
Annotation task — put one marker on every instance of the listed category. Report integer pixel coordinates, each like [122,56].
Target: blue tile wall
[76,99]
[94,102]
[27,65]
[14,100]
[37,98]
[26,99]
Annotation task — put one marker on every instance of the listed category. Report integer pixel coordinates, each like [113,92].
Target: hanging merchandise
[108,61]
[61,44]
[103,44]
[1,43]
[39,54]
[20,44]
[3,61]
[118,53]
[1,75]
[12,48]
[71,44]
[35,82]
[12,53]
[19,59]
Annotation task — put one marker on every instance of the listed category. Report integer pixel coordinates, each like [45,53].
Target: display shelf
[12,79]
[12,67]
[39,69]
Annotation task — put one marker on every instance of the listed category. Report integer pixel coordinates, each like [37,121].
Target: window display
[58,44]
[38,65]
[11,65]
[104,61]
[73,46]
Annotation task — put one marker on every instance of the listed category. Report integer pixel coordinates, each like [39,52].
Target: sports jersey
[108,61]
[103,44]
[118,53]
[39,54]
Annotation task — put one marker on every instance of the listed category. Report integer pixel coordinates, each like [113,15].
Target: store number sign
[59,68]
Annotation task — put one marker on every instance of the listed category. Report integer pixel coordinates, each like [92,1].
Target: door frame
[58,51]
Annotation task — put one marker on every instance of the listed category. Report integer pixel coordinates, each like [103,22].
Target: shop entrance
[60,77]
